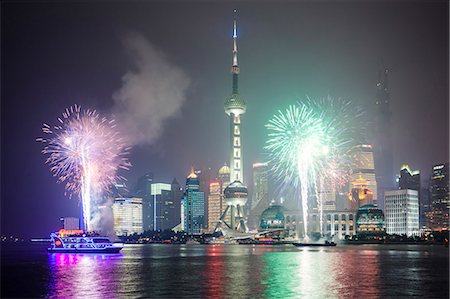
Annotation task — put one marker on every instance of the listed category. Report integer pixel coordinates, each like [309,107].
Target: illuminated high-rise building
[236,192]
[438,217]
[383,140]
[177,198]
[363,168]
[260,199]
[163,206]
[216,198]
[142,190]
[214,204]
[193,210]
[402,212]
[409,179]
[127,213]
[439,187]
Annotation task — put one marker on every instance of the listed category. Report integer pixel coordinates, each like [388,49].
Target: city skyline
[210,82]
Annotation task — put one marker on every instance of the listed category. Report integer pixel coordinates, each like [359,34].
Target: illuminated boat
[76,241]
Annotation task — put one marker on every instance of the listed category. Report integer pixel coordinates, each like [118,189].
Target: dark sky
[58,54]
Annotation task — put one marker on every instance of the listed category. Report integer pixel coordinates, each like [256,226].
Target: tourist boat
[77,241]
[326,243]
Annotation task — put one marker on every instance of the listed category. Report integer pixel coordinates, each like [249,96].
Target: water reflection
[322,273]
[82,275]
[221,271]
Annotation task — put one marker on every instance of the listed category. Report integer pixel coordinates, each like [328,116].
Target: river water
[228,271]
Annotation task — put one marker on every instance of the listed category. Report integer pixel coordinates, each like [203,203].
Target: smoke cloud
[153,91]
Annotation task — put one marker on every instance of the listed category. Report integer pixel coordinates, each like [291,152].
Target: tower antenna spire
[235,61]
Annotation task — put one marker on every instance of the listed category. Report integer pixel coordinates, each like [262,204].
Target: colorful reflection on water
[83,275]
[237,271]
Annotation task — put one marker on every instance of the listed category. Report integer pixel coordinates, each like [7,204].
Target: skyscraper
[162,204]
[193,211]
[204,175]
[438,217]
[402,212]
[439,187]
[177,198]
[260,199]
[216,197]
[383,140]
[127,215]
[363,168]
[142,190]
[235,107]
[409,179]
[214,204]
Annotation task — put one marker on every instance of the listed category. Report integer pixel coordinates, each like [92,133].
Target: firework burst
[309,144]
[85,152]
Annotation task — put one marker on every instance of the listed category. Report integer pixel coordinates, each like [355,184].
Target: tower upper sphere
[235,104]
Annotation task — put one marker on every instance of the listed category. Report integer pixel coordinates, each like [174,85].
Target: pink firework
[85,151]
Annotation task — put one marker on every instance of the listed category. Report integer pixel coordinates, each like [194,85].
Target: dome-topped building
[273,218]
[224,170]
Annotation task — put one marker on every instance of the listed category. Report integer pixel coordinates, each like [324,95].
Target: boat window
[101,240]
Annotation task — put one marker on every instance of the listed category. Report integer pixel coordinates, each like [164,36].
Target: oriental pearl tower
[236,192]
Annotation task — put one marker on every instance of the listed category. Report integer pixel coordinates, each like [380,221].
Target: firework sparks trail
[85,152]
[309,144]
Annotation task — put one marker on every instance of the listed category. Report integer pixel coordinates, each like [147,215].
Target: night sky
[58,54]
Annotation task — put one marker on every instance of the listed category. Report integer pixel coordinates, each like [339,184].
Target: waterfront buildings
[363,168]
[235,107]
[260,199]
[383,141]
[402,212]
[337,224]
[193,209]
[127,212]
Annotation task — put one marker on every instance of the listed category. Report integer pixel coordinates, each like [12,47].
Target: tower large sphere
[236,194]
[235,104]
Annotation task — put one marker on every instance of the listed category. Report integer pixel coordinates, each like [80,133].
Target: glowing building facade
[164,206]
[438,217]
[193,210]
[402,212]
[335,223]
[127,216]
[214,204]
[363,168]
